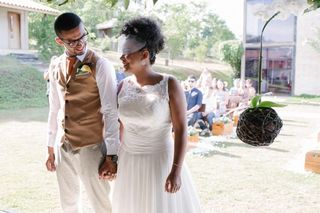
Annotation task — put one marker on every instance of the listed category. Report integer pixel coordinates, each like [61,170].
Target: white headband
[129,44]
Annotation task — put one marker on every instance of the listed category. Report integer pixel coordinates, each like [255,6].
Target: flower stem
[260,54]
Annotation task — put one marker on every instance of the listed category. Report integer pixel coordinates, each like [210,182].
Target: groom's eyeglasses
[74,43]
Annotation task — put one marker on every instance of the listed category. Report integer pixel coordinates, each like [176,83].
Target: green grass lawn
[304,98]
[234,177]
[20,85]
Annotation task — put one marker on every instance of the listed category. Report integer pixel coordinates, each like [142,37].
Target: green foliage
[269,104]
[104,44]
[201,51]
[176,37]
[215,30]
[106,2]
[231,53]
[191,28]
[121,15]
[91,12]
[42,35]
[314,4]
[21,86]
[256,102]
[308,96]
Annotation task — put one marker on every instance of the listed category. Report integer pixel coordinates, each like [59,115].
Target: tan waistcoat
[83,123]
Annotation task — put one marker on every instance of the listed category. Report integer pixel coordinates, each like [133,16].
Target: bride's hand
[173,182]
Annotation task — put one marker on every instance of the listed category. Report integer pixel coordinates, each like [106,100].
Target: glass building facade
[278,50]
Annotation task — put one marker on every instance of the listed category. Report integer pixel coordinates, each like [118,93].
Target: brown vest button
[67,101]
[66,117]
[65,131]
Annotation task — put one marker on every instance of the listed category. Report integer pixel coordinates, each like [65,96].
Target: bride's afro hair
[147,30]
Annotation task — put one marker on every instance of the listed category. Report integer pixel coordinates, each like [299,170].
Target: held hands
[108,169]
[173,182]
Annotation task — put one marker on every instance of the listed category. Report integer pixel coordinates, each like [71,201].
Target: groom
[83,135]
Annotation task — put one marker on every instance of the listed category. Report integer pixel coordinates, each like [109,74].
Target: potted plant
[193,134]
[222,126]
[259,125]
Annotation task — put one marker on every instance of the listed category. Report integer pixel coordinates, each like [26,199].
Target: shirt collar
[80,57]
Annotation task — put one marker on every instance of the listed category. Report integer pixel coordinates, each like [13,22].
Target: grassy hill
[21,86]
[181,68]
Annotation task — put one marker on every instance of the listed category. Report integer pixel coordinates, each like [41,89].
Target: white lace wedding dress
[145,157]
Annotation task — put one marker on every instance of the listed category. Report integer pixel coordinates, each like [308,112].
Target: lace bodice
[145,114]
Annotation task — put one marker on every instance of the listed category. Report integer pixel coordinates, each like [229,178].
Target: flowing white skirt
[140,185]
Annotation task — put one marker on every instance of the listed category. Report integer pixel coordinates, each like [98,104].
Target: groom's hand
[50,160]
[108,168]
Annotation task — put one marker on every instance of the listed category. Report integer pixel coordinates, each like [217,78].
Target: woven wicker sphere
[258,126]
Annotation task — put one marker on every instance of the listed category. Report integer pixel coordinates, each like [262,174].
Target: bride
[151,177]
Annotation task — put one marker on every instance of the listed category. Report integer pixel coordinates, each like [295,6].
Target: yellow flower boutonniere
[84,69]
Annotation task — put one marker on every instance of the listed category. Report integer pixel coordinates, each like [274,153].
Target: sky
[231,11]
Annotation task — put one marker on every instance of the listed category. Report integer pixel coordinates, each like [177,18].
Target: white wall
[307,74]
[4,44]
[4,28]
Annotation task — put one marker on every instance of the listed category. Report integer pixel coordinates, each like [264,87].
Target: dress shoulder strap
[165,86]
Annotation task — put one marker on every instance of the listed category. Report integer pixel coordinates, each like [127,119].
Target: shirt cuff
[50,143]
[112,146]
[51,139]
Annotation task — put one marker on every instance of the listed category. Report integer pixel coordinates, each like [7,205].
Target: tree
[112,3]
[231,53]
[176,27]
[191,29]
[214,31]
[42,35]
[201,51]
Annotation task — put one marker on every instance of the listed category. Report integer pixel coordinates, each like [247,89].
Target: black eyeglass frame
[74,43]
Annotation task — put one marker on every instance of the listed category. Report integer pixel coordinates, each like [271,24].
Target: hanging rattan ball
[258,126]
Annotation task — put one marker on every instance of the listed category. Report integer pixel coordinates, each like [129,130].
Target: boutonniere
[84,69]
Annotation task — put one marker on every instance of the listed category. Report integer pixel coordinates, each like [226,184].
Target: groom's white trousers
[81,165]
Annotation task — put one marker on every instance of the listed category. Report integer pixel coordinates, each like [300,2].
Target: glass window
[277,69]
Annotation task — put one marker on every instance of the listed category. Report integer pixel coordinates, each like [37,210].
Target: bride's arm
[178,110]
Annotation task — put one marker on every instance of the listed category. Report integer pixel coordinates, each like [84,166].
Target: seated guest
[234,96]
[209,91]
[211,110]
[250,88]
[234,89]
[222,98]
[204,81]
[210,101]
[194,101]
[244,93]
[218,102]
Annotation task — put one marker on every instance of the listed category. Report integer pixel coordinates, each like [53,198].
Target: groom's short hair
[66,21]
